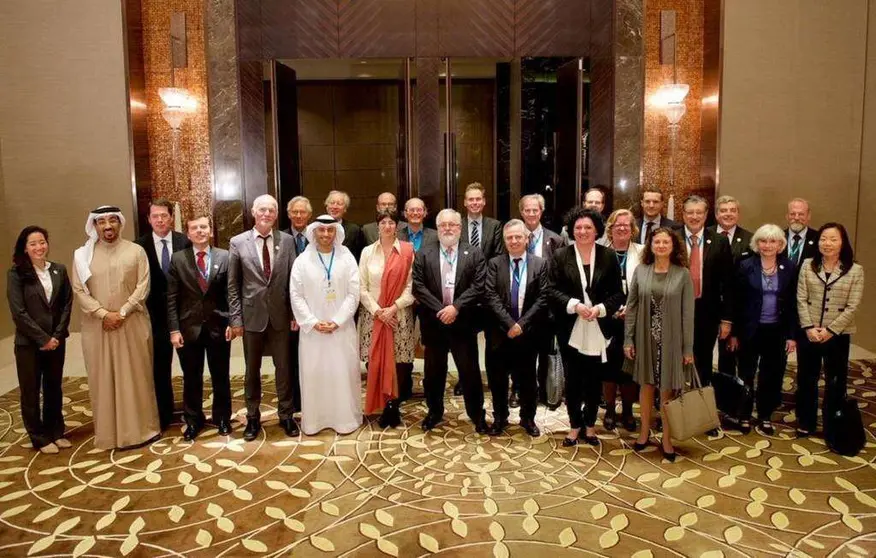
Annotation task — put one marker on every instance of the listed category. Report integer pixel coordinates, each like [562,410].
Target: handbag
[731,394]
[556,378]
[693,412]
[844,430]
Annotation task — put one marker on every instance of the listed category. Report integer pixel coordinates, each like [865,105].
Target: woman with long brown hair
[659,329]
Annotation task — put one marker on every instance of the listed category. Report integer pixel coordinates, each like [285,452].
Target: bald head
[385,201]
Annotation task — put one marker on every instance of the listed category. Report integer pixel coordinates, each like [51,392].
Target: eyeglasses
[449,225]
[620,227]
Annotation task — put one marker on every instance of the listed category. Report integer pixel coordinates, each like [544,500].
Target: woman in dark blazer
[765,322]
[40,298]
[585,290]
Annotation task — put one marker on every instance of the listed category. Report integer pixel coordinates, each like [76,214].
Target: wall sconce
[670,99]
[178,104]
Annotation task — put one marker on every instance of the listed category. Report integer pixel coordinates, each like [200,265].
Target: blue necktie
[300,242]
[165,258]
[515,290]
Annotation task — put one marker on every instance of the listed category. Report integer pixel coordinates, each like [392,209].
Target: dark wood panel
[427,27]
[552,27]
[286,113]
[252,118]
[384,28]
[137,94]
[476,28]
[428,136]
[299,29]
[249,31]
[601,115]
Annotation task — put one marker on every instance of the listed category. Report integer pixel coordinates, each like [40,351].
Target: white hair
[448,215]
[531,197]
[769,232]
[297,199]
[516,223]
[265,198]
[344,196]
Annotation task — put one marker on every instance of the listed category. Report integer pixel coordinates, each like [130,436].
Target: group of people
[634,306]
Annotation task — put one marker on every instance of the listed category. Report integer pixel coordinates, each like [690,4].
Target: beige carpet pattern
[450,492]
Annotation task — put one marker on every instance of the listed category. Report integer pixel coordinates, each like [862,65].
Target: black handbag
[844,430]
[731,394]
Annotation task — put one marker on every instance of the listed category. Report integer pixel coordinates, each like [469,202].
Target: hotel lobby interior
[212,103]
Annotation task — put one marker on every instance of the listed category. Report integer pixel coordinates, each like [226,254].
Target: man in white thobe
[324,289]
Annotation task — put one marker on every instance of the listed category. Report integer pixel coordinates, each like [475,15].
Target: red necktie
[202,267]
[266,257]
[725,234]
[696,263]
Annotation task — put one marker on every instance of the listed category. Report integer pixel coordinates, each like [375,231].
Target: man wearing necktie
[652,214]
[299,211]
[197,311]
[516,294]
[160,245]
[711,269]
[802,239]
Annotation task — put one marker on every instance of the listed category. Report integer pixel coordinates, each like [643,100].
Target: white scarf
[84,254]
[586,336]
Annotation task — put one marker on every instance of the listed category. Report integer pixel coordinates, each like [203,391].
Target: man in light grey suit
[385,201]
[259,265]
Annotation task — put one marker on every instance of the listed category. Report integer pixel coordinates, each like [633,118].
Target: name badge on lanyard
[328,288]
[450,277]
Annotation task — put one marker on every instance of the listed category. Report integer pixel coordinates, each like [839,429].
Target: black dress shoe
[481,427]
[745,426]
[253,427]
[513,401]
[290,426]
[668,455]
[609,422]
[497,428]
[629,424]
[530,428]
[554,406]
[767,428]
[637,446]
[224,427]
[191,432]
[713,432]
[569,442]
[457,389]
[431,422]
[591,440]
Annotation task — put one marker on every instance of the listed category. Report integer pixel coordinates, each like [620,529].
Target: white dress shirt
[259,246]
[453,261]
[371,266]
[521,293]
[702,245]
[731,233]
[645,221]
[479,224]
[45,277]
[207,259]
[159,247]
[537,237]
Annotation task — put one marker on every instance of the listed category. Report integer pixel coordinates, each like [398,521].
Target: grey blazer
[372,234]
[254,302]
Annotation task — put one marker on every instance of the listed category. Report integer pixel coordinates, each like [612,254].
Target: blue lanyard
[622,261]
[328,268]
[521,270]
[533,242]
[447,258]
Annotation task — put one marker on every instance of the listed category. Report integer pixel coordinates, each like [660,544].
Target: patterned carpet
[450,492]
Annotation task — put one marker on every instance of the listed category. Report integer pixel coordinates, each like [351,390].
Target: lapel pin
[708,241]
[810,243]
[781,266]
[55,271]
[738,240]
[465,253]
[216,266]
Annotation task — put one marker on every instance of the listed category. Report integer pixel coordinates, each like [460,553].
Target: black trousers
[255,345]
[464,348]
[516,359]
[545,344]
[583,386]
[404,372]
[705,334]
[764,352]
[191,359]
[834,354]
[41,369]
[162,360]
[728,361]
[294,336]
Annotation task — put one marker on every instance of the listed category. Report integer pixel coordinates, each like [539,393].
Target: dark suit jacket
[291,233]
[37,319]
[748,287]
[189,310]
[664,222]
[353,238]
[718,273]
[430,237]
[156,302]
[429,292]
[370,232]
[253,302]
[492,243]
[810,246]
[498,298]
[740,247]
[551,242]
[565,284]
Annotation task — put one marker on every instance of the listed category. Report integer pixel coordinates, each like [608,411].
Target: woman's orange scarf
[382,385]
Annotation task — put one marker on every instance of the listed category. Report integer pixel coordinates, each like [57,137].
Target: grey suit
[262,307]
[371,233]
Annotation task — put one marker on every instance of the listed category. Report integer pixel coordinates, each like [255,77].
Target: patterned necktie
[475,235]
[202,267]
[795,248]
[266,257]
[446,271]
[696,264]
[515,290]
[300,243]
[165,258]
[649,226]
[531,247]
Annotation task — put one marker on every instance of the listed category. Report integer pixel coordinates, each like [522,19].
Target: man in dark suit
[336,204]
[160,245]
[542,243]
[711,269]
[652,214]
[197,315]
[448,282]
[516,293]
[259,264]
[727,215]
[300,211]
[370,233]
[802,239]
[416,232]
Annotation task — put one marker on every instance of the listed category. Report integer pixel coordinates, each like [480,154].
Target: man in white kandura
[324,289]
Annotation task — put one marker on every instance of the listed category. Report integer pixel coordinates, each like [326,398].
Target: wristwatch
[123,313]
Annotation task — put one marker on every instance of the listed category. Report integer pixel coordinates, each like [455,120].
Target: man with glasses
[416,233]
[802,239]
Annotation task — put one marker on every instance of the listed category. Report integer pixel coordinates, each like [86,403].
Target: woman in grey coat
[658,337]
